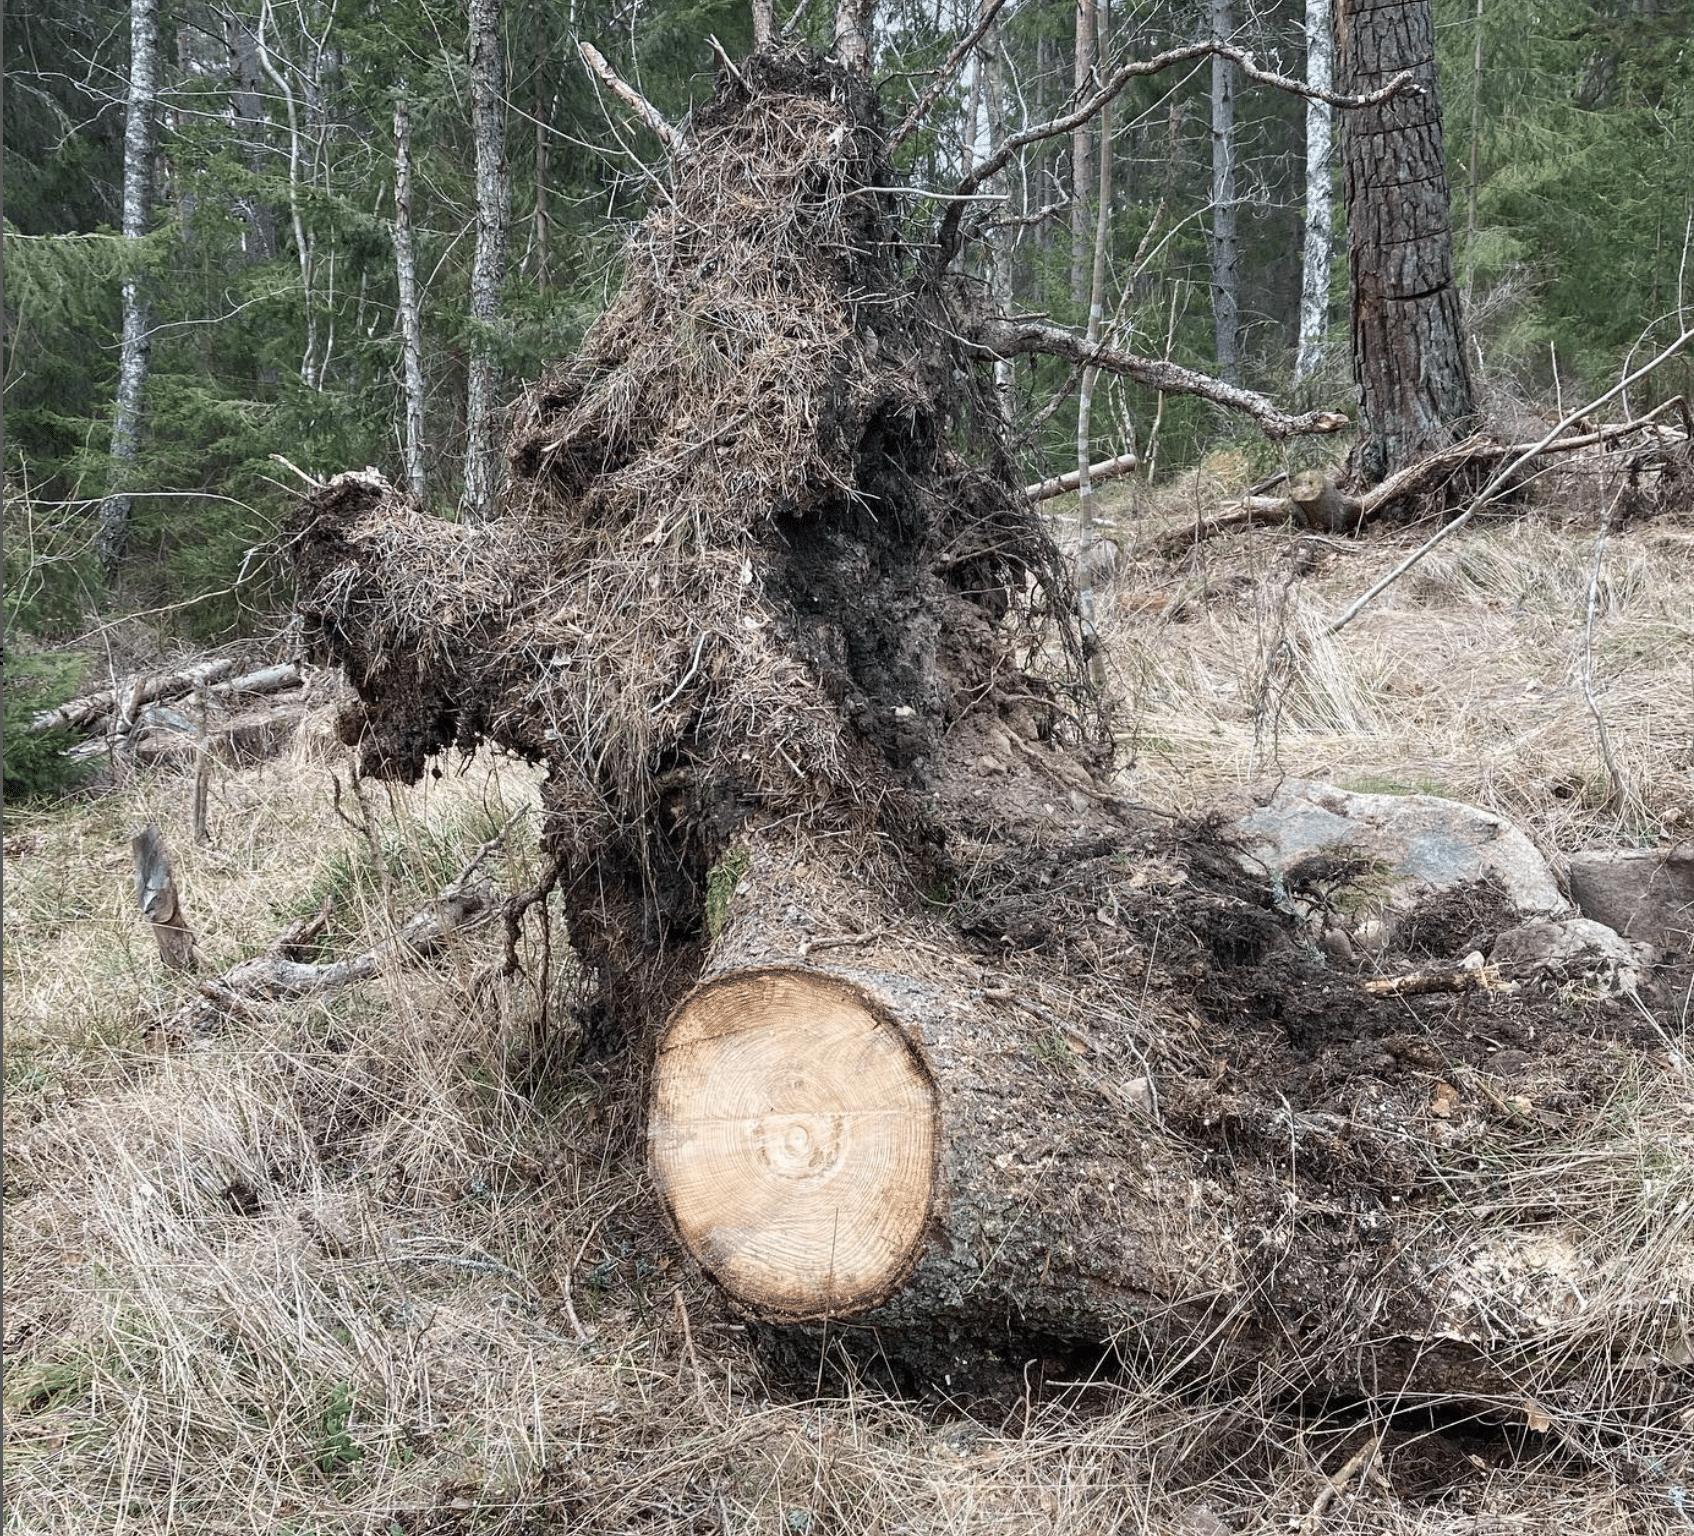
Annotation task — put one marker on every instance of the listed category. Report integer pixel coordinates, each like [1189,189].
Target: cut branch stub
[794,1141]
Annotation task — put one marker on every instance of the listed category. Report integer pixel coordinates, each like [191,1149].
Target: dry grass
[1464,679]
[328,1273]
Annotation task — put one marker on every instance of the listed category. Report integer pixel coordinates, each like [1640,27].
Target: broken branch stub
[161,905]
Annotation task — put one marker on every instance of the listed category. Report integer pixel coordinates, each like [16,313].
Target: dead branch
[630,97]
[1255,510]
[926,102]
[1499,481]
[1002,338]
[1059,485]
[1472,976]
[161,905]
[144,688]
[1135,69]
[274,974]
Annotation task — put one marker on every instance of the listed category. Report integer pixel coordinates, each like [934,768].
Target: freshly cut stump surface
[794,1136]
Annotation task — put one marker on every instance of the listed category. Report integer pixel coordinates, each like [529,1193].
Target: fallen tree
[953,1045]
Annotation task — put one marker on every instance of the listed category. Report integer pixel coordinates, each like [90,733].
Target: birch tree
[136,347]
[1226,240]
[406,279]
[488,268]
[1320,121]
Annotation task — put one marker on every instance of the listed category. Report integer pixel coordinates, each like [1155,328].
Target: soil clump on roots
[762,547]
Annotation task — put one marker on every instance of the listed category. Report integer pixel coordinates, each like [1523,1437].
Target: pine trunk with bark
[488,265]
[1408,345]
[951,1046]
[135,349]
[1320,195]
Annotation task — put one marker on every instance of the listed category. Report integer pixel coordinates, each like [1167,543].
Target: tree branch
[947,235]
[936,86]
[1059,485]
[1001,338]
[630,97]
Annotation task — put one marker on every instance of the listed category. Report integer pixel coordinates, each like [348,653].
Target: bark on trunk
[411,326]
[135,351]
[1085,396]
[156,894]
[1082,156]
[1226,242]
[1320,118]
[868,1129]
[488,267]
[1408,348]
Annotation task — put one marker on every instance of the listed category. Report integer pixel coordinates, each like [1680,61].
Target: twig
[311,480]
[925,102]
[1500,479]
[1472,976]
[1620,790]
[630,97]
[807,945]
[687,677]
[1335,1485]
[729,63]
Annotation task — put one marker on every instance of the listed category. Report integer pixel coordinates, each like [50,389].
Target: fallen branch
[1499,480]
[145,688]
[1333,1486]
[1002,338]
[1059,485]
[1472,976]
[274,974]
[1259,510]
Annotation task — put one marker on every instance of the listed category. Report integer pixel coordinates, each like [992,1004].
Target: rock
[1574,950]
[1421,843]
[1642,893]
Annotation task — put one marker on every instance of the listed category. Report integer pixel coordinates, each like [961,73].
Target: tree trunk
[156,894]
[1408,348]
[488,267]
[1226,242]
[542,229]
[1085,395]
[411,325]
[1082,157]
[1320,197]
[877,1130]
[135,350]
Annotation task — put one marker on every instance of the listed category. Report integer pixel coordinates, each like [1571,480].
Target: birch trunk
[411,328]
[136,349]
[1320,129]
[304,243]
[1082,155]
[1085,400]
[1000,255]
[488,267]
[1408,348]
[1226,244]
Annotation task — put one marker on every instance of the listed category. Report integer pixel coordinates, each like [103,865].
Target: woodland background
[266,257]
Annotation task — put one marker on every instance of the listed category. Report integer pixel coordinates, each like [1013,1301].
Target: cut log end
[794,1134]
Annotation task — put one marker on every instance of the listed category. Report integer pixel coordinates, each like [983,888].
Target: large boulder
[1414,846]
[1644,893]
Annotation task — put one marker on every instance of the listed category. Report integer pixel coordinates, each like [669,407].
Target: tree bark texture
[488,265]
[1320,195]
[1408,347]
[1082,156]
[135,350]
[411,324]
[1226,239]
[856,1119]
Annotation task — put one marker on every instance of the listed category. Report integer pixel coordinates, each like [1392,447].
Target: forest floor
[387,1261]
